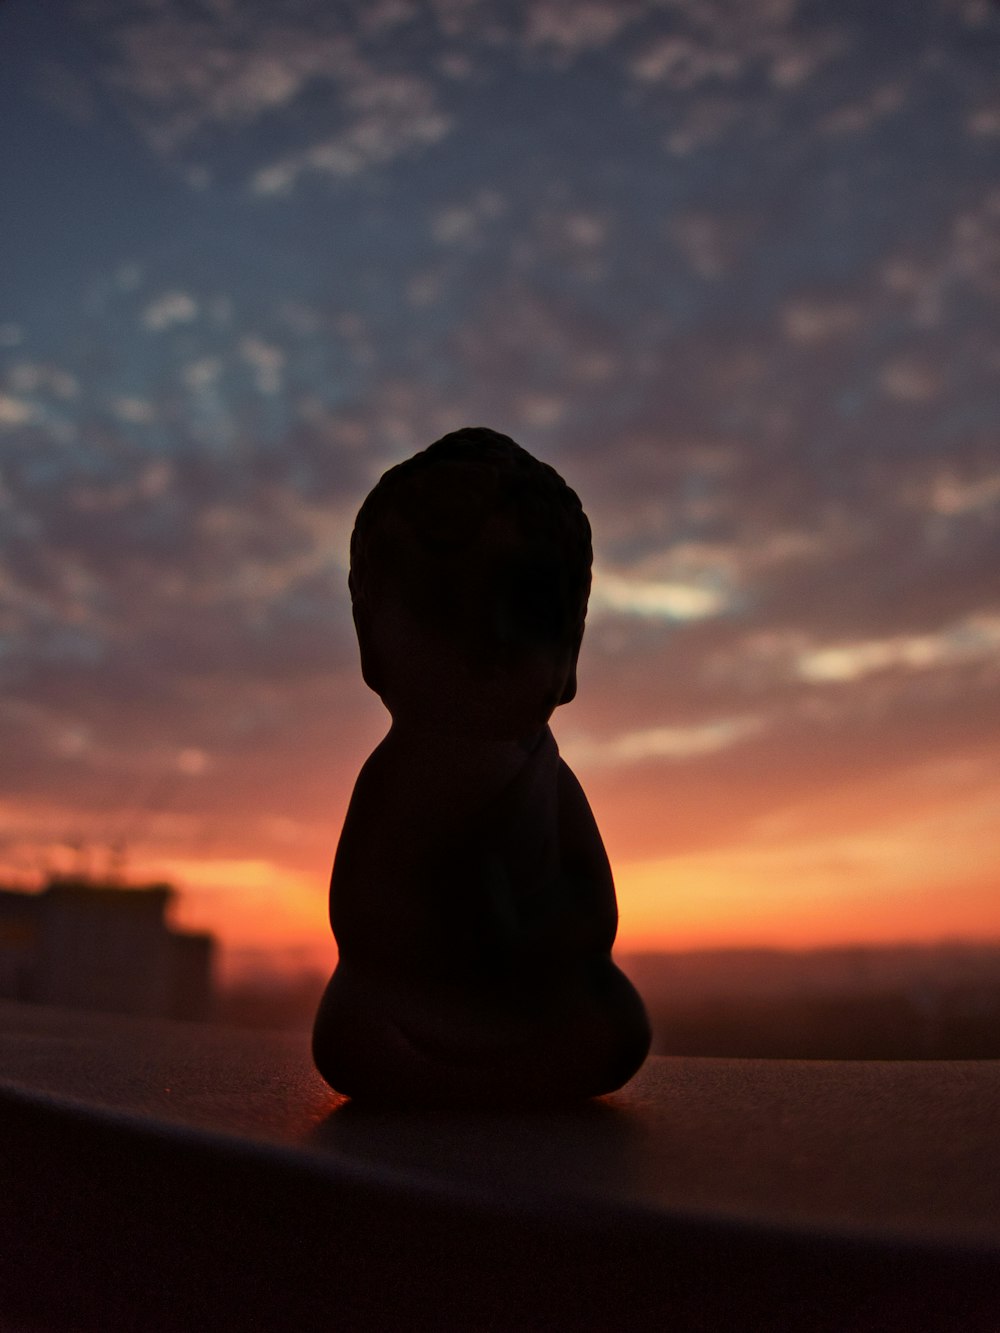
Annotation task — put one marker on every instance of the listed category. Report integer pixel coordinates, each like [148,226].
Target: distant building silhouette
[87,945]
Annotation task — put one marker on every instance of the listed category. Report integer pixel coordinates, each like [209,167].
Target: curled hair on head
[480,543]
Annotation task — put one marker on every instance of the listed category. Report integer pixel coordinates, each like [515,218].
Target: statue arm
[545,888]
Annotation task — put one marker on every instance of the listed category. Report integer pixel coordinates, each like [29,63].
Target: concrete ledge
[159,1176]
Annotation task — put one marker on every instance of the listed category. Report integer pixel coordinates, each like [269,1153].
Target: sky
[731,266]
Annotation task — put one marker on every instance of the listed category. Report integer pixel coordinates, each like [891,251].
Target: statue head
[470,574]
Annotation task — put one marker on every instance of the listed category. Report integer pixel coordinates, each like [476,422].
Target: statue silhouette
[471,897]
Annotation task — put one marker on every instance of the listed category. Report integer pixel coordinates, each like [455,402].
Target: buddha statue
[471,899]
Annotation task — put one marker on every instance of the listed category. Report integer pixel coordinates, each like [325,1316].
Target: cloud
[146,483]
[973,639]
[655,600]
[380,16]
[192,761]
[671,743]
[807,321]
[712,43]
[703,122]
[463,224]
[184,73]
[15,412]
[254,555]
[910,381]
[858,117]
[694,581]
[42,379]
[118,554]
[195,83]
[984,122]
[267,361]
[963,263]
[404,122]
[567,28]
[683,63]
[169,309]
[710,243]
[542,411]
[201,374]
[951,495]
[135,411]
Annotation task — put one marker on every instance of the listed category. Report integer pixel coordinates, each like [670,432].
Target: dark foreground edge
[111,1221]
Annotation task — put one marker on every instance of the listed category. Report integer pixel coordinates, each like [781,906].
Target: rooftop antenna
[131,828]
[43,866]
[116,862]
[80,862]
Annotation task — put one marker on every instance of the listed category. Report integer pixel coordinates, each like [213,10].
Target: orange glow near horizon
[729,900]
[905,854]
[904,879]
[916,879]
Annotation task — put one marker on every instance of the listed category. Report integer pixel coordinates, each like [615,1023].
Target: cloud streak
[675,743]
[655,600]
[974,639]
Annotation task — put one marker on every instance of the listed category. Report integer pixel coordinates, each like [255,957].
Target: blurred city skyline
[732,268]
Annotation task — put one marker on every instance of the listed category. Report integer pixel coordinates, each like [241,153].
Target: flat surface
[901,1151]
